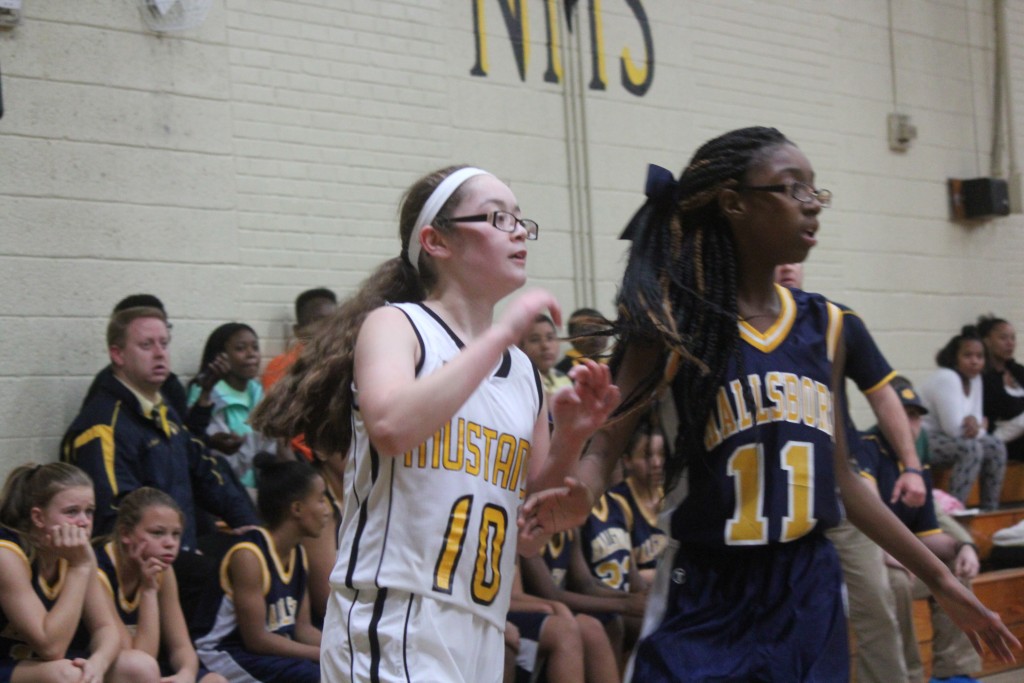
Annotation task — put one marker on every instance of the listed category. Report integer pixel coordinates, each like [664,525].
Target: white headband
[434,202]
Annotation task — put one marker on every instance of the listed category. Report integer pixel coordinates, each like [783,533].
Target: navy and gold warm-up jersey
[647,539]
[618,536]
[284,587]
[768,474]
[607,546]
[879,464]
[12,644]
[557,555]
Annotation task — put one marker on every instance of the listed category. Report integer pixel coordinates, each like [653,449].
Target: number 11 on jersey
[749,525]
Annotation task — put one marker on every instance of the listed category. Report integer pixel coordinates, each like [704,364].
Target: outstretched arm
[609,443]
[873,517]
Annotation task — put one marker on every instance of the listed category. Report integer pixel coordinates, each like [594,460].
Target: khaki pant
[872,608]
[952,653]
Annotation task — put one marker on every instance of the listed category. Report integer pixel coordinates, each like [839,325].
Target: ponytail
[279,483]
[30,486]
[680,285]
[315,396]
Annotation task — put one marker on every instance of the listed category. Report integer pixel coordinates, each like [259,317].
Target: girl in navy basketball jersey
[445,423]
[749,587]
[262,632]
[55,623]
[134,567]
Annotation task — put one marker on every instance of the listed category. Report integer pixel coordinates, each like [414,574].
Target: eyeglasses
[502,220]
[802,192]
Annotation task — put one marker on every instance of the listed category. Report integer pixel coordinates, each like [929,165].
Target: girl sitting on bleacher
[133,567]
[54,622]
[262,632]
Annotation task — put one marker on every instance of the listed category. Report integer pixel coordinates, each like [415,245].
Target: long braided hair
[680,284]
[315,396]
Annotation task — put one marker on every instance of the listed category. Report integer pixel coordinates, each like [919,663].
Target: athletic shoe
[1010,536]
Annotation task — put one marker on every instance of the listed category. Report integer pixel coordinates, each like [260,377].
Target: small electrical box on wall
[978,198]
[10,13]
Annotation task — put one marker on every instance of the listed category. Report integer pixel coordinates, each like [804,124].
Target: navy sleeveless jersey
[284,583]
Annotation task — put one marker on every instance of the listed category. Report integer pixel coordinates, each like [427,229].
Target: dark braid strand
[680,286]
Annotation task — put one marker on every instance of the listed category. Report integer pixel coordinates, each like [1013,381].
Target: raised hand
[150,568]
[216,370]
[581,409]
[519,315]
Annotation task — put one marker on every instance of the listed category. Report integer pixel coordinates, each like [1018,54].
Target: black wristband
[961,546]
[914,470]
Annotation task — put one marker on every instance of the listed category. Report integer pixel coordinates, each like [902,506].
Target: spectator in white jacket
[955,424]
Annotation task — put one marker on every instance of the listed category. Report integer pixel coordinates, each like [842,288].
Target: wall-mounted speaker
[978,197]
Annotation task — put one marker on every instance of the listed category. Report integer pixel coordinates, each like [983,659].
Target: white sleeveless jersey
[440,520]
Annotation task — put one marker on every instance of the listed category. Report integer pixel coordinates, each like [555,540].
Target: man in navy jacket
[127,436]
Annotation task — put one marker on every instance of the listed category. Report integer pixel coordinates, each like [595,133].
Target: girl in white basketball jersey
[446,427]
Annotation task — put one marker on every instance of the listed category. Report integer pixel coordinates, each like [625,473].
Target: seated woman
[1003,383]
[55,623]
[133,567]
[262,632]
[234,397]
[955,422]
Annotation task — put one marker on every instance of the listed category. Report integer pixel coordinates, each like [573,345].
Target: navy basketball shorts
[763,613]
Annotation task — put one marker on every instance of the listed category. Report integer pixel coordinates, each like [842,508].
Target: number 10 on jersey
[490,545]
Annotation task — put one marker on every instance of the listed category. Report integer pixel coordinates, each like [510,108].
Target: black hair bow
[661,196]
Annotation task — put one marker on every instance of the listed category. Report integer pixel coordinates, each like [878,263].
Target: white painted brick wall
[229,167]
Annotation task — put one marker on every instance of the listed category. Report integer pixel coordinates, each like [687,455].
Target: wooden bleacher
[1013,485]
[1001,590]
